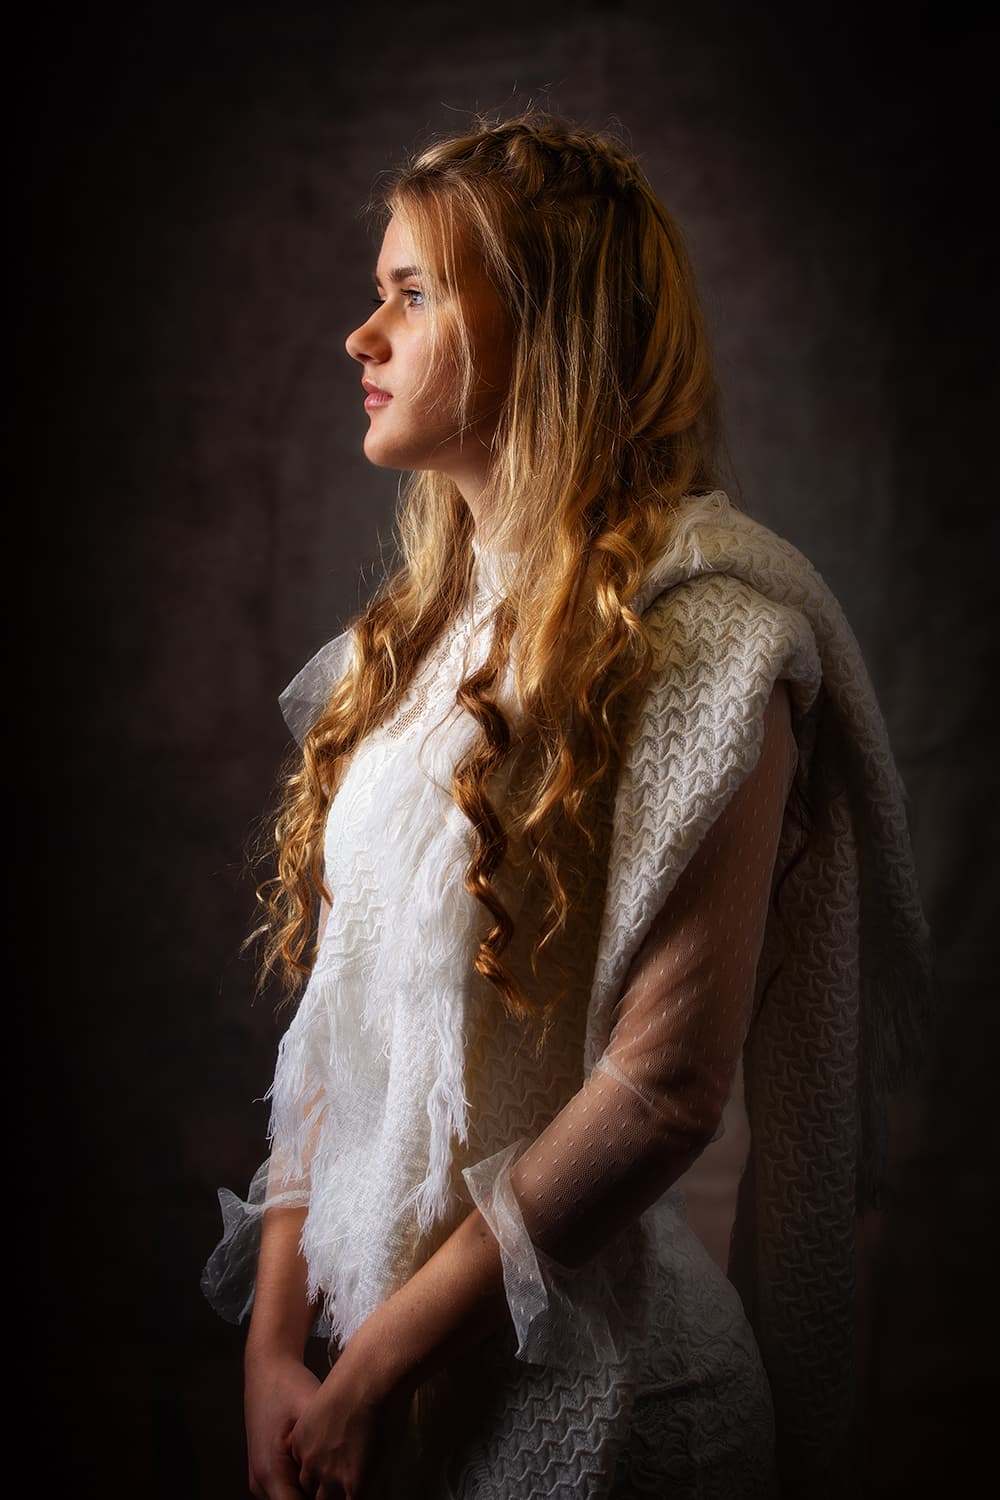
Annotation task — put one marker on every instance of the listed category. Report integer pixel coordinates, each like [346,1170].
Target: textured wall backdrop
[207,519]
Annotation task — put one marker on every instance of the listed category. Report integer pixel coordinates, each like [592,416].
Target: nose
[368,343]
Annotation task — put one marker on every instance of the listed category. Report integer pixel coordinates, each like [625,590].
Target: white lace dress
[403,1094]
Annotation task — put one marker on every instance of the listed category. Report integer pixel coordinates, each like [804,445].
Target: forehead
[399,249]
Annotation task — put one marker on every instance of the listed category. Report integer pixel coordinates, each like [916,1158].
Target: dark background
[203,518]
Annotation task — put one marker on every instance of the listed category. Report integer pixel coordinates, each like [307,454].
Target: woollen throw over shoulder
[843,983]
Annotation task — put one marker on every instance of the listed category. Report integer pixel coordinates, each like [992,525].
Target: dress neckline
[491,570]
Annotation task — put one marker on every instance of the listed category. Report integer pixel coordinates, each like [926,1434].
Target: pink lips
[376,396]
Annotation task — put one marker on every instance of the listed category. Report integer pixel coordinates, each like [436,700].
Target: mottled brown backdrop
[205,519]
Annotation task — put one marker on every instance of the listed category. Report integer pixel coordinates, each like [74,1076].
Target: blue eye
[414,295]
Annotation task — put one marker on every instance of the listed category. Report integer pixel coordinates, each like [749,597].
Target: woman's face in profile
[411,428]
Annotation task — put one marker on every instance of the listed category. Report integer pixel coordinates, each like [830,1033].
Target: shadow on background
[205,519]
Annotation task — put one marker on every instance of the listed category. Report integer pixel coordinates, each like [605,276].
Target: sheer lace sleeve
[655,1098]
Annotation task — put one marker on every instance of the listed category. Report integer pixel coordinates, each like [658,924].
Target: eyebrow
[399,273]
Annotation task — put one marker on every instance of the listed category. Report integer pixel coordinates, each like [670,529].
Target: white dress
[403,1093]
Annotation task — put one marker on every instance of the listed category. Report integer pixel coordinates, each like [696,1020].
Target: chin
[385,454]
[380,453]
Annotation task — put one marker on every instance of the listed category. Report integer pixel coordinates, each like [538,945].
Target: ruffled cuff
[229,1278]
[566,1317]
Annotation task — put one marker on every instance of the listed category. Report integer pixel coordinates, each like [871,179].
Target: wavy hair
[609,424]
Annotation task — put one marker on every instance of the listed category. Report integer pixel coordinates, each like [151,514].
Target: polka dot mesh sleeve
[655,1098]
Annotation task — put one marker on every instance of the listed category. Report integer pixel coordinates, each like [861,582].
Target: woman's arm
[278,1386]
[454,1301]
[282,1313]
[358,1417]
[656,1097]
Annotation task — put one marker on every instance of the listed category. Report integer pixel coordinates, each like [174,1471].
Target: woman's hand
[341,1440]
[354,1440]
[277,1390]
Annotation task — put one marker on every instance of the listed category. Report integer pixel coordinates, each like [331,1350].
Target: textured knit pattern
[844,1016]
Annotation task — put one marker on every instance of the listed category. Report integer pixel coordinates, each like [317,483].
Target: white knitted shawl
[844,977]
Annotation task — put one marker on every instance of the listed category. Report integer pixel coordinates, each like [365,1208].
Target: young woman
[593,799]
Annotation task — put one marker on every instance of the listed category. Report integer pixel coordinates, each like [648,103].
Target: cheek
[440,373]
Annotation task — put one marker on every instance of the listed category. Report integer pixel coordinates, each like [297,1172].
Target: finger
[280,1488]
[281,1484]
[276,1489]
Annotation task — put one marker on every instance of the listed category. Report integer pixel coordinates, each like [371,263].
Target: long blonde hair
[610,421]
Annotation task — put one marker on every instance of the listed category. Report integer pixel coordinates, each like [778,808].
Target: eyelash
[407,291]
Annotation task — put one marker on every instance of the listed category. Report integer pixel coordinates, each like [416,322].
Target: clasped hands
[338,1438]
[344,1440]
